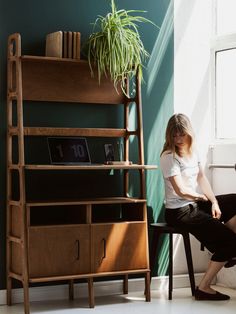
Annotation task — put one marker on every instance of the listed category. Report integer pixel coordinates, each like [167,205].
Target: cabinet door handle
[78,249]
[104,248]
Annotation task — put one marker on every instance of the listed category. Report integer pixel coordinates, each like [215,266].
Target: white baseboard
[101,288]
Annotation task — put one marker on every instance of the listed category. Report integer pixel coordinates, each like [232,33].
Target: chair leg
[153,253]
[170,265]
[189,259]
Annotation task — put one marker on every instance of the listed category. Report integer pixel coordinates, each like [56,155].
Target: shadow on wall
[157,108]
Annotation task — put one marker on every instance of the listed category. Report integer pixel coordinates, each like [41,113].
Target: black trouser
[211,232]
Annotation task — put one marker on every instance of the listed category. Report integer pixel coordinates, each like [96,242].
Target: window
[226,93]
[225,70]
[225,17]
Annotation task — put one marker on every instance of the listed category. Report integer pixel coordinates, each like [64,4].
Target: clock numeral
[78,151]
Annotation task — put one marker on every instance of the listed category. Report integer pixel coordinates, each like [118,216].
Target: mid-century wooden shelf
[80,237]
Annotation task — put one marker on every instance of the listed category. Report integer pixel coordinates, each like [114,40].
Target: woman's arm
[182,191]
[207,190]
[205,185]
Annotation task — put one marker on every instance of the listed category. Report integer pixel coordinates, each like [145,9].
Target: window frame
[219,43]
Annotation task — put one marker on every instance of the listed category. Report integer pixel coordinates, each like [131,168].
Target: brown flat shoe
[204,296]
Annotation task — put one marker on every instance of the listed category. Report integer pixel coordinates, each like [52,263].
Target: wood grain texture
[51,79]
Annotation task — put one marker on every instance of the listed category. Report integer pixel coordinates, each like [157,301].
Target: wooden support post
[91,292]
[71,289]
[125,284]
[147,287]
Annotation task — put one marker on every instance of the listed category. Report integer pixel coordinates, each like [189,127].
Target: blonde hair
[178,123]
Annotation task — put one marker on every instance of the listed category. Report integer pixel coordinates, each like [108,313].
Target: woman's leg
[228,206]
[212,270]
[227,203]
[231,224]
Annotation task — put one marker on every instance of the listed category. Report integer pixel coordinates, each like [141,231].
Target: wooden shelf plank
[46,59]
[65,80]
[77,225]
[90,275]
[42,59]
[105,200]
[89,132]
[90,167]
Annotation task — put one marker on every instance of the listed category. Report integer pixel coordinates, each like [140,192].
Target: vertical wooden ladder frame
[14,93]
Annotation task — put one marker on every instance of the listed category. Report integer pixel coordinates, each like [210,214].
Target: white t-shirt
[187,167]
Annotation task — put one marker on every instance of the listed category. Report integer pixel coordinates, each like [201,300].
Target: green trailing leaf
[115,46]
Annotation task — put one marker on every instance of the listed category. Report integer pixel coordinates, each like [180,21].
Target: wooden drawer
[120,246]
[59,250]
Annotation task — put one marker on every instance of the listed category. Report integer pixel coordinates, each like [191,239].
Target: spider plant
[115,46]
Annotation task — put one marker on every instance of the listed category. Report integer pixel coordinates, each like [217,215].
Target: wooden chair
[164,228]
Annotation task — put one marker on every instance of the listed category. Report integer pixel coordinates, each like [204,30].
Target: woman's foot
[211,296]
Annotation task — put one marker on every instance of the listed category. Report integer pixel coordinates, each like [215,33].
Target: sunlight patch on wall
[160,47]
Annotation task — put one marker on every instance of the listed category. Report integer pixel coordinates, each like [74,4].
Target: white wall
[193,25]
[192,92]
[224,181]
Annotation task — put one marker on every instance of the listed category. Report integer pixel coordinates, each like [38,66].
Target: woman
[211,219]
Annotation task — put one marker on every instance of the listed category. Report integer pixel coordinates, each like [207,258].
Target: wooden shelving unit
[68,239]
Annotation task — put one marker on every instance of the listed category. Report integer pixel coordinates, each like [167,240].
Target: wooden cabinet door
[59,250]
[120,246]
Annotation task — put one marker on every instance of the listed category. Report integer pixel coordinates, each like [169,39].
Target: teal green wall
[34,19]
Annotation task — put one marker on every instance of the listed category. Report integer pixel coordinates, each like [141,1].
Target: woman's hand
[215,209]
[202,197]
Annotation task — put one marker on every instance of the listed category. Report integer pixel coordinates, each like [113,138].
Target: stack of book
[63,45]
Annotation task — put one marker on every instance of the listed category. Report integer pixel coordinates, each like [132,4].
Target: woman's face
[181,140]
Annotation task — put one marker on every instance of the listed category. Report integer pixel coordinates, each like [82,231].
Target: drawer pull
[104,248]
[78,249]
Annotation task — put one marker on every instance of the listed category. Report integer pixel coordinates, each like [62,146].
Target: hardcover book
[54,43]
